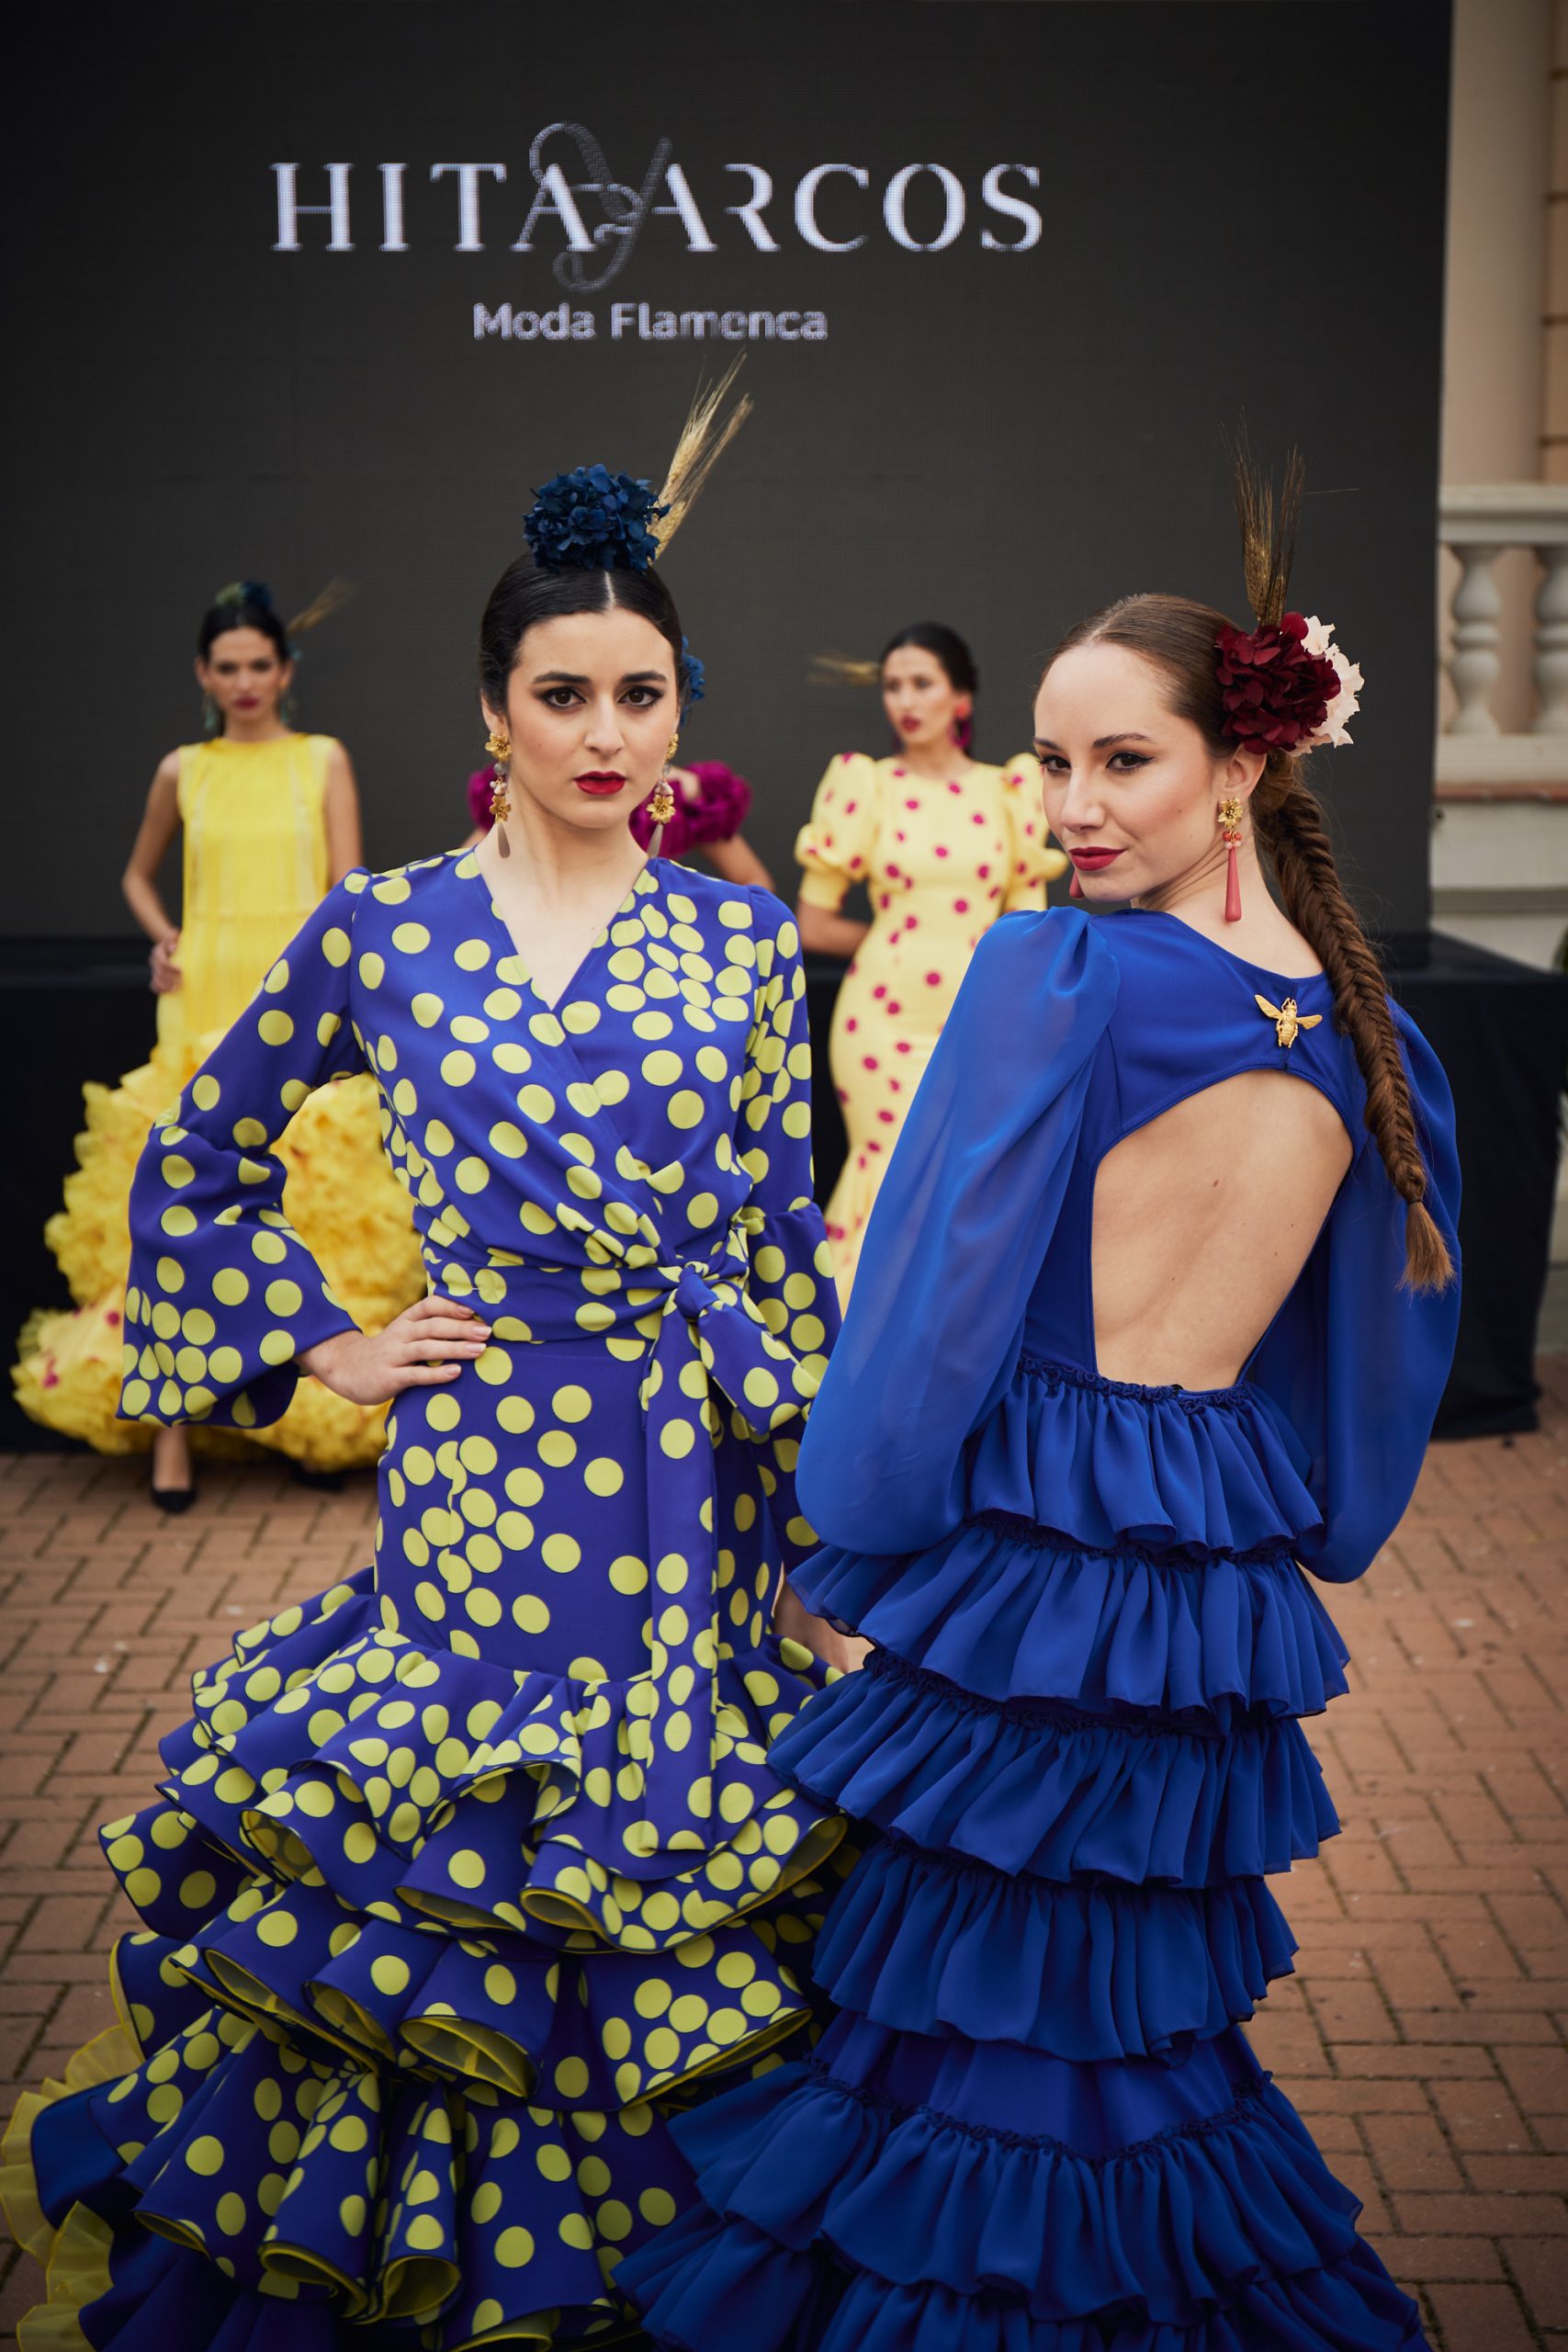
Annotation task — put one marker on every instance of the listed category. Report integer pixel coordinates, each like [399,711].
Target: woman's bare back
[1202,1220]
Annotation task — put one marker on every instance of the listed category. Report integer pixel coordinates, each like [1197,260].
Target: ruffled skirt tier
[1035,2124]
[341,1197]
[399,2045]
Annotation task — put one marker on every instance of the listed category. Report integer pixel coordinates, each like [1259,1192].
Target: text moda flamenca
[639,321]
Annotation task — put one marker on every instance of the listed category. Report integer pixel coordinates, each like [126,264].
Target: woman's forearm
[328,1355]
[345,847]
[736,861]
[142,898]
[793,1622]
[822,934]
[160,822]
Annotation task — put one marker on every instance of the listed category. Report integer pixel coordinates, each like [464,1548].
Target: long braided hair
[1178,635]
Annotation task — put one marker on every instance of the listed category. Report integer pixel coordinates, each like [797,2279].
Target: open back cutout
[1203,1219]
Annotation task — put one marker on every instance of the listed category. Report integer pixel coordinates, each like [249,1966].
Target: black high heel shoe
[173,1501]
[323,1482]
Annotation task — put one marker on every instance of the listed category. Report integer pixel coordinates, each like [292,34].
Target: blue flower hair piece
[593,520]
[246,591]
[696,675]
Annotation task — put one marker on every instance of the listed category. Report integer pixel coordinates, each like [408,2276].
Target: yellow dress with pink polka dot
[467,1874]
[940,860]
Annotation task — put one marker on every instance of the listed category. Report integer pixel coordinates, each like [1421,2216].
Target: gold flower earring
[500,749]
[661,799]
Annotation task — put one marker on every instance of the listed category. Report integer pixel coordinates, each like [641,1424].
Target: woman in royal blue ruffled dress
[1158,1304]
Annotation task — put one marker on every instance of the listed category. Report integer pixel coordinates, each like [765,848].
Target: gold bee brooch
[1288,1020]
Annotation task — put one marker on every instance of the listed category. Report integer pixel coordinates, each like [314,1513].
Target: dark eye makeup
[637,697]
[1119,763]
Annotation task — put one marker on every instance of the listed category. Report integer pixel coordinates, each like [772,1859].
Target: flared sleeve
[1032,860]
[836,845]
[792,1269]
[1355,1362]
[223,1296]
[958,1236]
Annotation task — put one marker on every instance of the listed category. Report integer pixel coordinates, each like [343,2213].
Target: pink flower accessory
[481,784]
[1336,729]
[712,803]
[1277,691]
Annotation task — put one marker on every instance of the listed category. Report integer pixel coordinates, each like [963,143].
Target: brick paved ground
[1424,2039]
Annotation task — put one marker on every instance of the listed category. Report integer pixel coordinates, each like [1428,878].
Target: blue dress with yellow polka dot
[468,1873]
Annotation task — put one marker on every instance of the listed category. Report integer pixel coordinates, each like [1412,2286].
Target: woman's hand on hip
[793,1622]
[425,1346]
[165,971]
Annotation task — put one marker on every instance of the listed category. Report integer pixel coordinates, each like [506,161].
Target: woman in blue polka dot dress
[469,1871]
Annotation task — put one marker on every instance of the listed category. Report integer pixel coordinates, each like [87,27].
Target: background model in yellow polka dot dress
[941,860]
[468,1870]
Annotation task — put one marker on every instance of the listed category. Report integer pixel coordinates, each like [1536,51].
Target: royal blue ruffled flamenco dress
[1036,2123]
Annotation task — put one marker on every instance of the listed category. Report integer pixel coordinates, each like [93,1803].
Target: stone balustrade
[1478,521]
[1500,832]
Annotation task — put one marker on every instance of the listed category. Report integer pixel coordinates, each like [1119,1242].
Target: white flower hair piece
[1336,727]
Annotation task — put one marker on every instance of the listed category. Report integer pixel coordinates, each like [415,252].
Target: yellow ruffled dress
[255,868]
[940,860]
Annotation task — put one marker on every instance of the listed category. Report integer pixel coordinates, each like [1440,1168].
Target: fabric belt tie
[711,1349]
[707,1318]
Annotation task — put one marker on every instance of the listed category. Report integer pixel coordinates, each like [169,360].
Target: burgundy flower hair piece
[1275,692]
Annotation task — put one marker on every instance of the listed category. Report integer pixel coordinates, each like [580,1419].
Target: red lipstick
[1093,861]
[601,784]
[910,723]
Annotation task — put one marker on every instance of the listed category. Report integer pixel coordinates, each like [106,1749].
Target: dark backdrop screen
[1002,275]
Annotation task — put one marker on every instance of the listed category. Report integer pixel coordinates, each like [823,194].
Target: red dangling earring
[1230,830]
[1075,887]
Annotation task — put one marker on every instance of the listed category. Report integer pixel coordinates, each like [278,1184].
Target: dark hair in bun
[246,604]
[528,593]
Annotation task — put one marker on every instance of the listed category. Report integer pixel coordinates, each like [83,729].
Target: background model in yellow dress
[259,856]
[943,845]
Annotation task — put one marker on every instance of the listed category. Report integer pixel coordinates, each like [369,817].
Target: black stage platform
[1500,1029]
[78,1009]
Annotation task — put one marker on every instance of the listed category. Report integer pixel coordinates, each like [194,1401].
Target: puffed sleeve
[956,1240]
[717,804]
[792,1272]
[1355,1362]
[1034,862]
[222,1295]
[836,846]
[481,786]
